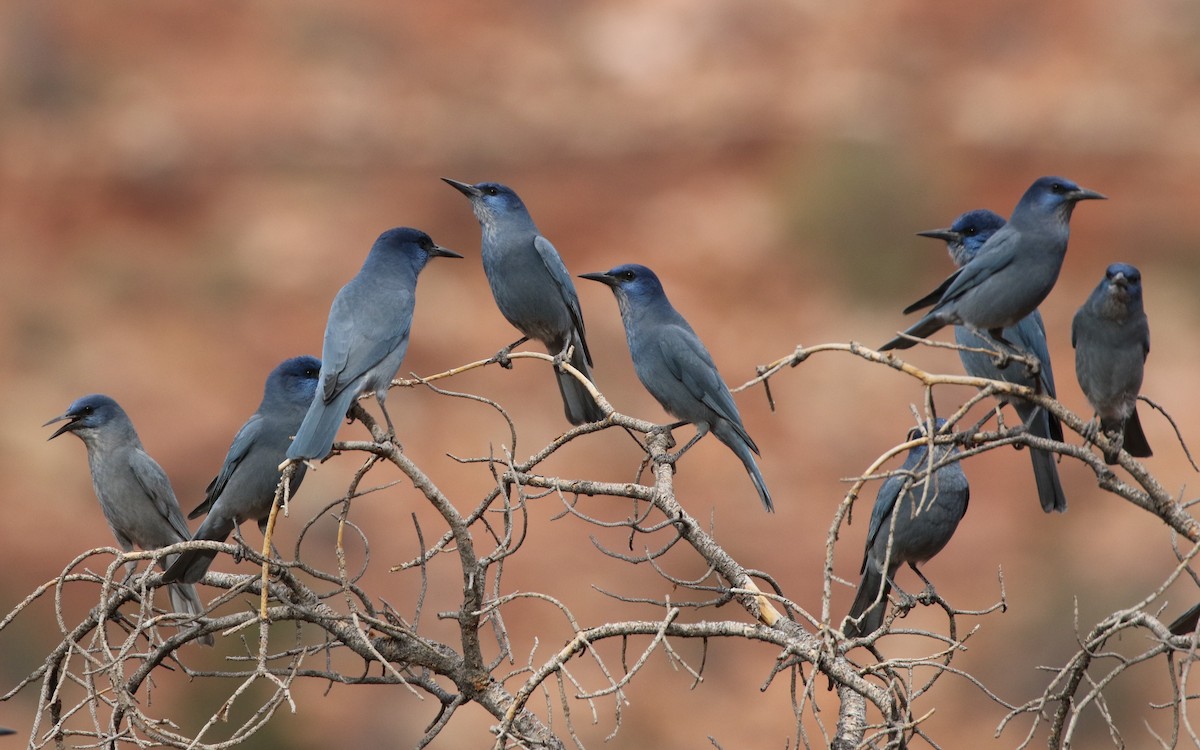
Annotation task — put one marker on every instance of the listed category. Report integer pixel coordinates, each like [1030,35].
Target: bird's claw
[501,358]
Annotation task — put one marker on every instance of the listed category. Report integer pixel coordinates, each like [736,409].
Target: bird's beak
[443,252]
[603,278]
[1120,280]
[1083,194]
[946,235]
[468,190]
[68,427]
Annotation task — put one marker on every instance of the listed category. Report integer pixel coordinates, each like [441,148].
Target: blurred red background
[184,187]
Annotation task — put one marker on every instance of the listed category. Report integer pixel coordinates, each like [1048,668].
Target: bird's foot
[501,358]
[928,595]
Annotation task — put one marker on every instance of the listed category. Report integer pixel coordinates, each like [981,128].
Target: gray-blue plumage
[674,366]
[532,287]
[1111,337]
[134,492]
[366,336]
[965,239]
[909,525]
[1012,274]
[244,489]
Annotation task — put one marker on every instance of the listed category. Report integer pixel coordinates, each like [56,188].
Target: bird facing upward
[532,288]
[134,492]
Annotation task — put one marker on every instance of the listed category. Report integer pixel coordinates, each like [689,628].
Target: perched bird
[244,489]
[132,488]
[1112,338]
[675,367]
[1013,272]
[964,239]
[912,521]
[366,336]
[532,288]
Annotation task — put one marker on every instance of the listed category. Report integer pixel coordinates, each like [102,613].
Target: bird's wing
[242,442]
[881,514]
[360,334]
[158,488]
[1030,334]
[566,288]
[933,297]
[693,366]
[997,254]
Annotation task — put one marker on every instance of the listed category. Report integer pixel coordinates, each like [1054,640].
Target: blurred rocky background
[184,187]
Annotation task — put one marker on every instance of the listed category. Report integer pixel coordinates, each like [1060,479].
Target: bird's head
[412,244]
[87,416]
[1123,281]
[1054,195]
[967,235]
[490,200]
[295,380]
[629,280]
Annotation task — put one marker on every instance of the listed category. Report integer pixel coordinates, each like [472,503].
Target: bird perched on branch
[134,492]
[913,520]
[532,288]
[244,489]
[366,336]
[1013,272]
[1112,338]
[965,239]
[674,366]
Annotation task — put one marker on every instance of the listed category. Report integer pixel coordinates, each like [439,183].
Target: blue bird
[965,239]
[532,288]
[244,489]
[366,336]
[1014,271]
[911,522]
[675,368]
[1112,338]
[134,492]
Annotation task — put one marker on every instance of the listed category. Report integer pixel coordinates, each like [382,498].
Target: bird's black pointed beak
[468,190]
[1083,194]
[946,235]
[443,252]
[603,278]
[68,427]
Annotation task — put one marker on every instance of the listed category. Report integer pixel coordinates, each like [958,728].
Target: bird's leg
[928,594]
[381,396]
[501,357]
[701,431]
[986,418]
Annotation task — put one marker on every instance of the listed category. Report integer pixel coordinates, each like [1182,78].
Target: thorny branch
[341,629]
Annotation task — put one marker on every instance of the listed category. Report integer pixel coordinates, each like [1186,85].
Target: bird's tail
[1045,471]
[730,437]
[870,604]
[190,566]
[319,428]
[578,404]
[186,601]
[1135,440]
[922,329]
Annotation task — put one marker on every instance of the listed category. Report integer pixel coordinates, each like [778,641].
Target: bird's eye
[626,276]
[970,232]
[311,373]
[1058,187]
[87,410]
[491,191]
